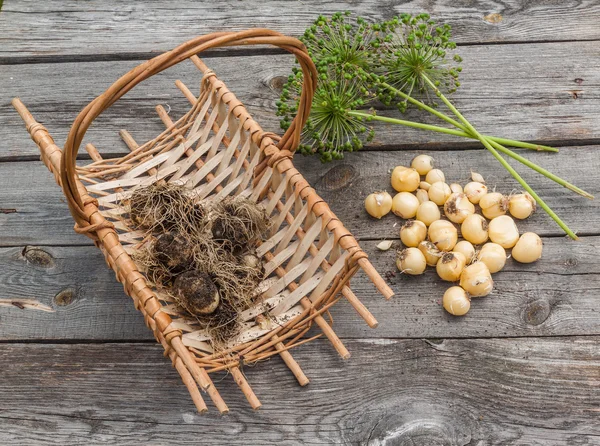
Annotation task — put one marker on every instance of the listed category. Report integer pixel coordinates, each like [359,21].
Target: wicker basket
[217,149]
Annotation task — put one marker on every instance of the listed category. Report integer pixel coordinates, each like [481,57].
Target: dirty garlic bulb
[378,204]
[411,261]
[443,234]
[422,164]
[528,249]
[503,230]
[439,192]
[458,207]
[404,205]
[450,266]
[435,176]
[428,212]
[476,280]
[493,255]
[465,248]
[405,179]
[456,301]
[475,229]
[493,205]
[475,191]
[430,251]
[422,195]
[521,206]
[412,233]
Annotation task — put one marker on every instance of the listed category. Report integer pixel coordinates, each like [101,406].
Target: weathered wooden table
[522,368]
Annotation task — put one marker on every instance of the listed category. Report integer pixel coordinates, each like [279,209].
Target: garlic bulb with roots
[435,176]
[465,248]
[430,251]
[450,266]
[503,230]
[422,164]
[456,301]
[493,205]
[475,191]
[443,234]
[428,212]
[476,280]
[493,255]
[405,179]
[411,261]
[439,192]
[521,206]
[458,207]
[475,229]
[404,205]
[528,249]
[412,233]
[378,204]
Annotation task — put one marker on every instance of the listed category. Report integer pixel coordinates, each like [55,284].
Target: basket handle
[259,36]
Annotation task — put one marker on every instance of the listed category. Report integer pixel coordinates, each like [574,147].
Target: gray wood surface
[556,296]
[42,216]
[521,369]
[104,28]
[507,90]
[535,391]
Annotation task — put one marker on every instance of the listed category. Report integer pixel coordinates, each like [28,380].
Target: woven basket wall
[217,150]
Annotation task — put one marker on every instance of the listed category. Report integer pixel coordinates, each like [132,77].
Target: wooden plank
[509,391]
[42,217]
[507,90]
[100,28]
[555,296]
[87,300]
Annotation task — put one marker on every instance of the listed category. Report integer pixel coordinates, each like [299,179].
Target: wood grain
[555,296]
[507,90]
[42,216]
[413,392]
[104,28]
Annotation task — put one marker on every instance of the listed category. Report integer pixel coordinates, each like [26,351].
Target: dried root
[202,257]
[163,208]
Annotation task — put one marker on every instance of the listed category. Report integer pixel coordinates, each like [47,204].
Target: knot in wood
[66,296]
[338,177]
[536,312]
[38,257]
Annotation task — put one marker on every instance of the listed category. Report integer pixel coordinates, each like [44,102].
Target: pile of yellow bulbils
[430,240]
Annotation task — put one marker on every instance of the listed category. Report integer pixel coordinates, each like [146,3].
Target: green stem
[448,119]
[540,169]
[501,160]
[417,125]
[498,146]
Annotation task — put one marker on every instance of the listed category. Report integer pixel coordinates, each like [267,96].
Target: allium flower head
[412,48]
[330,130]
[341,48]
